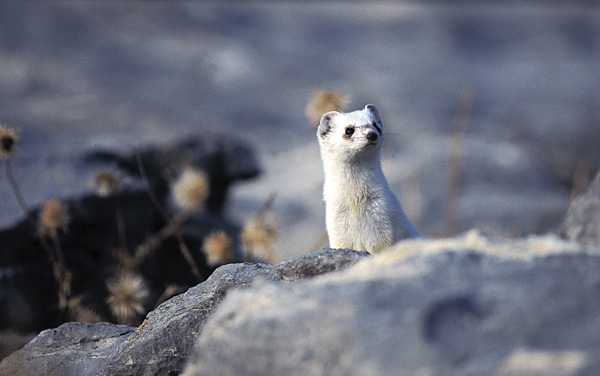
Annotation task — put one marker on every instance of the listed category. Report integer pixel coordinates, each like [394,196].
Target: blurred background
[75,76]
[491,118]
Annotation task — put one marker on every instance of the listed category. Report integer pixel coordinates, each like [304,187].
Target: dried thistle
[86,314]
[106,183]
[218,249]
[324,101]
[127,295]
[53,216]
[79,312]
[259,234]
[8,142]
[191,190]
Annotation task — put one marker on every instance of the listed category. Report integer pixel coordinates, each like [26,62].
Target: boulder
[464,306]
[163,342]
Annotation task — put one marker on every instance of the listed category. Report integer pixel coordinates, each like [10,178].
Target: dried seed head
[259,235]
[79,312]
[85,314]
[191,190]
[324,101]
[106,183]
[127,295]
[218,249]
[53,216]
[8,141]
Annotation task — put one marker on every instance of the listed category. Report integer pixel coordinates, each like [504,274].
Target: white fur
[362,213]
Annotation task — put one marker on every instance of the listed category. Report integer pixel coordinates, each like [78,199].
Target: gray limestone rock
[465,306]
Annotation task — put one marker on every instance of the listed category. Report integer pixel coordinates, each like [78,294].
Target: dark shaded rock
[29,287]
[223,159]
[94,345]
[582,222]
[163,342]
[463,306]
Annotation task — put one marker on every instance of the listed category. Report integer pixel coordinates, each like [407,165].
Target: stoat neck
[359,177]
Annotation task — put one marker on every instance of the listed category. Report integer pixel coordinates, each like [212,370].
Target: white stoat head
[350,136]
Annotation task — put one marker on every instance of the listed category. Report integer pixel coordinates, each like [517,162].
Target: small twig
[581,178]
[120,226]
[182,246]
[457,131]
[17,192]
[146,181]
[259,221]
[266,206]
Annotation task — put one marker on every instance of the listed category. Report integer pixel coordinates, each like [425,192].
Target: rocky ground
[469,305]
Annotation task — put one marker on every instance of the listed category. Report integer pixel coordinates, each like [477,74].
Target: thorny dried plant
[106,183]
[259,234]
[79,312]
[128,293]
[8,145]
[191,190]
[323,101]
[218,249]
[172,223]
[455,138]
[8,142]
[53,217]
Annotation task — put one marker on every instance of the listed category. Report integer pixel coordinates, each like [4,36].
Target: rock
[582,222]
[164,341]
[464,306]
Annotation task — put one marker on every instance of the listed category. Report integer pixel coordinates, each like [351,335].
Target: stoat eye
[349,131]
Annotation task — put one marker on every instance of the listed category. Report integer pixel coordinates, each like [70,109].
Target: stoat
[362,213]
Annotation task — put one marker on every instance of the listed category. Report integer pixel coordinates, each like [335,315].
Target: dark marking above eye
[349,131]
[376,126]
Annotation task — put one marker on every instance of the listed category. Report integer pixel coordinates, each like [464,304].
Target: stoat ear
[371,108]
[326,123]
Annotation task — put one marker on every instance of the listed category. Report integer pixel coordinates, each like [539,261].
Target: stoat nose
[371,136]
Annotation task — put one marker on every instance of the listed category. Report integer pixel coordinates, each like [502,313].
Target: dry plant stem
[17,191]
[153,242]
[60,256]
[260,218]
[182,246]
[61,274]
[581,178]
[266,206]
[120,227]
[144,176]
[57,259]
[457,131]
